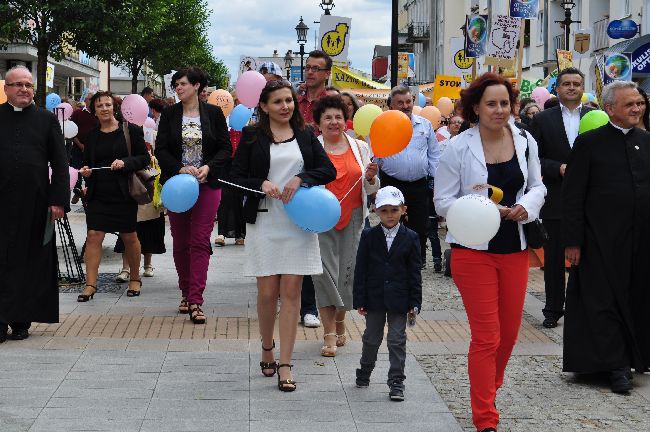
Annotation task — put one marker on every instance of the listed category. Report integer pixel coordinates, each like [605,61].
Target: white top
[462,168]
[192,141]
[571,121]
[390,234]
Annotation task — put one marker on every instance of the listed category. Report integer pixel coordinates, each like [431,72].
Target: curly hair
[472,95]
[101,94]
[327,102]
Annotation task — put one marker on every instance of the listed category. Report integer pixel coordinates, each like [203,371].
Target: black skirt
[113,217]
[230,216]
[151,234]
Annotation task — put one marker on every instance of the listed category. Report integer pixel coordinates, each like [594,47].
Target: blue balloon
[52,100]
[179,193]
[422,100]
[314,209]
[240,116]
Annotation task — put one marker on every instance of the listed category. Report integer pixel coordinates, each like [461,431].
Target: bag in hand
[535,233]
[141,182]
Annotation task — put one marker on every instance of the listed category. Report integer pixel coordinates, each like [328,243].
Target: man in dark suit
[555,130]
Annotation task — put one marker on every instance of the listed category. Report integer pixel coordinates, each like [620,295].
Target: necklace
[336,148]
[491,156]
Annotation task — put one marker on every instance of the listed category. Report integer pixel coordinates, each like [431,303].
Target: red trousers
[493,288]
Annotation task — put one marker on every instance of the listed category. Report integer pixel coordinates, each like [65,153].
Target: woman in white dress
[276,157]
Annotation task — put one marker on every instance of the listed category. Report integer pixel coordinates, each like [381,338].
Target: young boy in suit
[387,287]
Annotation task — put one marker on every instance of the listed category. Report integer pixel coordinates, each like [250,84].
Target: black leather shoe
[19,334]
[396,395]
[489,430]
[437,266]
[620,381]
[549,323]
[3,332]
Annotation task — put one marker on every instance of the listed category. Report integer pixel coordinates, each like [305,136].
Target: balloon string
[241,187]
[353,186]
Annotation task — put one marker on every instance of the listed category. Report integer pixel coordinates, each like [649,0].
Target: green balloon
[593,120]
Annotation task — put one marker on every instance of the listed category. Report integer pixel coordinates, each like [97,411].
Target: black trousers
[554,270]
[307,298]
[432,232]
[416,194]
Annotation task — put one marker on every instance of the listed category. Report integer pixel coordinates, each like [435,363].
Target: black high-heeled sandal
[269,365]
[134,293]
[83,298]
[196,314]
[287,385]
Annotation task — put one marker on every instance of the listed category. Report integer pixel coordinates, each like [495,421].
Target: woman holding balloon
[491,274]
[192,139]
[356,178]
[109,206]
[276,157]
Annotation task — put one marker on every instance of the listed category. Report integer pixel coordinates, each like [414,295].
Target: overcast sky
[257,27]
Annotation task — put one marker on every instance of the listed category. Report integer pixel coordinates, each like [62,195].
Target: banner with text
[49,75]
[446,86]
[618,67]
[524,8]
[345,79]
[476,32]
[504,36]
[461,64]
[334,37]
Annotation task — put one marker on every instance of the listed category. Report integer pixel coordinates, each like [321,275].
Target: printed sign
[247,63]
[625,29]
[524,8]
[504,36]
[169,90]
[564,59]
[599,84]
[581,42]
[446,85]
[527,87]
[49,75]
[641,59]
[334,37]
[345,79]
[618,67]
[476,32]
[461,64]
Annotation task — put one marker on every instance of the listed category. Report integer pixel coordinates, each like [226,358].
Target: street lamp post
[327,6]
[568,5]
[288,61]
[301,31]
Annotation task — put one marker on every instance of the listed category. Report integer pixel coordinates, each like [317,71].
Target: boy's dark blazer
[385,280]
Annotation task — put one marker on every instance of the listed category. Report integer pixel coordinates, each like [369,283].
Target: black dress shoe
[3,332]
[437,266]
[19,334]
[489,430]
[620,381]
[549,323]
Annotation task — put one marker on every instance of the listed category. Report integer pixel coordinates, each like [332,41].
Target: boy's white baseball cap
[389,195]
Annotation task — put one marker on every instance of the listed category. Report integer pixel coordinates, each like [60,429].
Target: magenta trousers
[191,232]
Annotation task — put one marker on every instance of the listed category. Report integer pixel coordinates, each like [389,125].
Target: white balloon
[70,129]
[473,220]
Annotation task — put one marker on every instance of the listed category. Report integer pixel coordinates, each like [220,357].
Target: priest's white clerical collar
[625,131]
[15,107]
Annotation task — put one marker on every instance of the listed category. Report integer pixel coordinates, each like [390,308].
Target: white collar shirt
[625,131]
[571,121]
[390,234]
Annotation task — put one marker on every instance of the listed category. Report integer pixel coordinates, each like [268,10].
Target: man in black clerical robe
[30,138]
[606,231]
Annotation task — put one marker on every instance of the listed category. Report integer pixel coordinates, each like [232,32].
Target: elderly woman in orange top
[355,179]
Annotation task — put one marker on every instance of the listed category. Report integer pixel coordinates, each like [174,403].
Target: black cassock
[29,139]
[606,206]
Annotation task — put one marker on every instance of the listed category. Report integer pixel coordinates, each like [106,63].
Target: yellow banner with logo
[345,79]
[447,86]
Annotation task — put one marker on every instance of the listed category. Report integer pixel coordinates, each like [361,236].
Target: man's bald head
[19,87]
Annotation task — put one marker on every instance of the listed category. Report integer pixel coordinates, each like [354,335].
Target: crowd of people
[302,137]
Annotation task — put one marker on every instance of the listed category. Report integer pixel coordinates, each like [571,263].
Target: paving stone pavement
[134,364]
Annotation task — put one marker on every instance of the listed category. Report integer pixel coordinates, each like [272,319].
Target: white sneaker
[124,276]
[311,320]
[148,271]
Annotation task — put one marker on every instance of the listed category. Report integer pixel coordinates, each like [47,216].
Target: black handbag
[535,233]
[141,182]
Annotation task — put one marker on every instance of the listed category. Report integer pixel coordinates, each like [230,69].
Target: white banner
[460,65]
[504,34]
[169,91]
[49,75]
[335,37]
[248,63]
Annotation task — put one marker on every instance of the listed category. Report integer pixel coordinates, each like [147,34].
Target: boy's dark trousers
[396,341]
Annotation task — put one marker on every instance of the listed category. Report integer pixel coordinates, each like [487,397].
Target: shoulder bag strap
[127,136]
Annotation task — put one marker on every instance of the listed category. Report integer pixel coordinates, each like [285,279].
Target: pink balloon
[249,87]
[66,113]
[541,95]
[149,123]
[74,176]
[135,109]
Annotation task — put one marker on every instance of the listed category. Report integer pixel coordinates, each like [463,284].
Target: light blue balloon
[422,100]
[179,193]
[52,100]
[240,116]
[314,209]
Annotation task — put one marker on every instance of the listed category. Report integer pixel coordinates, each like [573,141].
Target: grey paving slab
[194,425]
[9,424]
[300,424]
[216,410]
[45,424]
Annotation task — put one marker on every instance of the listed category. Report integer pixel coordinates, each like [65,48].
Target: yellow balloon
[584,98]
[445,105]
[364,117]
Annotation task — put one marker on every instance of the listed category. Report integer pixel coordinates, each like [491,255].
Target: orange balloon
[223,100]
[432,114]
[390,133]
[3,96]
[417,109]
[445,105]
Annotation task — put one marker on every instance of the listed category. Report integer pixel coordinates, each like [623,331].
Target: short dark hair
[321,54]
[157,104]
[296,121]
[472,95]
[101,94]
[551,102]
[327,102]
[194,75]
[570,71]
[146,90]
[332,88]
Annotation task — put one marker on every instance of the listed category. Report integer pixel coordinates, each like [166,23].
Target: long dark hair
[646,114]
[264,122]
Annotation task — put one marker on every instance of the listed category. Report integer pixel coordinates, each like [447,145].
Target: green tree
[48,25]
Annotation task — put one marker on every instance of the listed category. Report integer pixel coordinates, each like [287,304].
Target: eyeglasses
[28,86]
[315,69]
[459,122]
